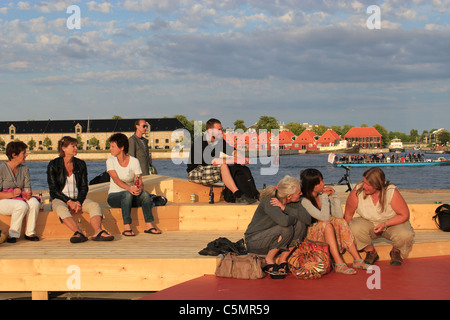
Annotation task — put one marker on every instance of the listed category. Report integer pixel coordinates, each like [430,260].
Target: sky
[329,62]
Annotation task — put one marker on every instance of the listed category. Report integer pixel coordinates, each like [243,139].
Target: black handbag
[442,217]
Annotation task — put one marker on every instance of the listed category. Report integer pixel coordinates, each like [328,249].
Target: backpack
[243,178]
[442,217]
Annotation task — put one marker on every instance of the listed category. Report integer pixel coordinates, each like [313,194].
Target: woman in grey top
[15,195]
[278,223]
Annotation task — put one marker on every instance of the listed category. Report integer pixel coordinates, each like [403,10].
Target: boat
[324,150]
[396,146]
[434,151]
[441,161]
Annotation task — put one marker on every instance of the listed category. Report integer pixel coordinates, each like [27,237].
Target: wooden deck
[153,262]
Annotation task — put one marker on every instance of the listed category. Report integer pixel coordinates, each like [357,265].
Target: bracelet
[385,227]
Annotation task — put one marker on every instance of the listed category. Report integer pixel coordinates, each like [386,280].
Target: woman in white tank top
[382,213]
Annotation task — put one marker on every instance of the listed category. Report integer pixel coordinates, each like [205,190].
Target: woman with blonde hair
[324,206]
[382,213]
[67,178]
[277,224]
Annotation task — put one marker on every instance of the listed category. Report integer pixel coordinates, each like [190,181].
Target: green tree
[31,144]
[320,129]
[444,137]
[267,123]
[47,142]
[337,129]
[384,134]
[94,143]
[184,121]
[295,127]
[239,124]
[80,143]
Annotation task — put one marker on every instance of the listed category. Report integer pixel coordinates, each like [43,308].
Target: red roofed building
[328,139]
[365,137]
[285,139]
[305,141]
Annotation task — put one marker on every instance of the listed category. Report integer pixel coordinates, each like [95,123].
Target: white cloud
[104,7]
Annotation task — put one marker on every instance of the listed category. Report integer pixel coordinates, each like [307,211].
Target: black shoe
[11,240]
[32,238]
[245,199]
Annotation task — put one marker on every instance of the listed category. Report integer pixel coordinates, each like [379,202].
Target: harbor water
[266,172]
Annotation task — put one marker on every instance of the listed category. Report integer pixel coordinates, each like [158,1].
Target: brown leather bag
[248,266]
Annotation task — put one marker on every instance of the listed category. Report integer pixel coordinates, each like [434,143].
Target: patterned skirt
[343,233]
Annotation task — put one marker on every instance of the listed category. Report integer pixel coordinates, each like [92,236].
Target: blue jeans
[126,201]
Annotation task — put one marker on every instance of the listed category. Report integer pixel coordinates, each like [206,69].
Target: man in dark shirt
[206,166]
[139,147]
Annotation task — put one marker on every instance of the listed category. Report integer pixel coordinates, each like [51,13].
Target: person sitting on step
[205,165]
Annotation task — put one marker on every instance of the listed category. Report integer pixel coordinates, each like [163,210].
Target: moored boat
[353,149]
[396,146]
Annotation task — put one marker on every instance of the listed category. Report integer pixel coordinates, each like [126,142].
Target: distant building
[46,134]
[285,139]
[365,137]
[433,137]
[329,139]
[305,141]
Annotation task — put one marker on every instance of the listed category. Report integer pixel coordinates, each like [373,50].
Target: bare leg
[227,178]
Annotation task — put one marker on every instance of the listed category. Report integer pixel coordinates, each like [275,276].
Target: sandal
[342,268]
[360,264]
[267,268]
[274,273]
[128,233]
[78,237]
[152,231]
[99,236]
[284,266]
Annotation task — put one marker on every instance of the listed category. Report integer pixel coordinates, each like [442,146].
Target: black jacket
[57,176]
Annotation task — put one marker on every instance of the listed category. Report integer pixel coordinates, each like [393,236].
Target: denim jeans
[126,201]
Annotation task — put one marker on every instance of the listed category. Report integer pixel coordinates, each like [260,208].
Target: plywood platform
[153,262]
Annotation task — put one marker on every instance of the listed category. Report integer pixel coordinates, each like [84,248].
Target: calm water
[432,177]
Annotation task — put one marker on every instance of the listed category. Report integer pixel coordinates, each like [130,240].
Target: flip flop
[128,233]
[99,237]
[152,231]
[78,237]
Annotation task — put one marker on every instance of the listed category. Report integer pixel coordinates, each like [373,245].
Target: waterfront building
[92,134]
[305,141]
[365,137]
[329,139]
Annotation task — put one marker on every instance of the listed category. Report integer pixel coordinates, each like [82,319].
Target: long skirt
[343,233]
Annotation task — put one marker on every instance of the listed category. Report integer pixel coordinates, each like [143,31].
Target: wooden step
[141,263]
[183,217]
[180,213]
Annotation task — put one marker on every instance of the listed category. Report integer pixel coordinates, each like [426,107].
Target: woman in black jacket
[68,184]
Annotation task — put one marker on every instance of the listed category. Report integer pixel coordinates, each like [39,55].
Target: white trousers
[18,210]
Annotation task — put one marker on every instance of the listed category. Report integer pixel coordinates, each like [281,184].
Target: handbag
[310,260]
[442,217]
[248,266]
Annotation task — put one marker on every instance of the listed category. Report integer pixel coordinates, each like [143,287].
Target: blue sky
[312,61]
